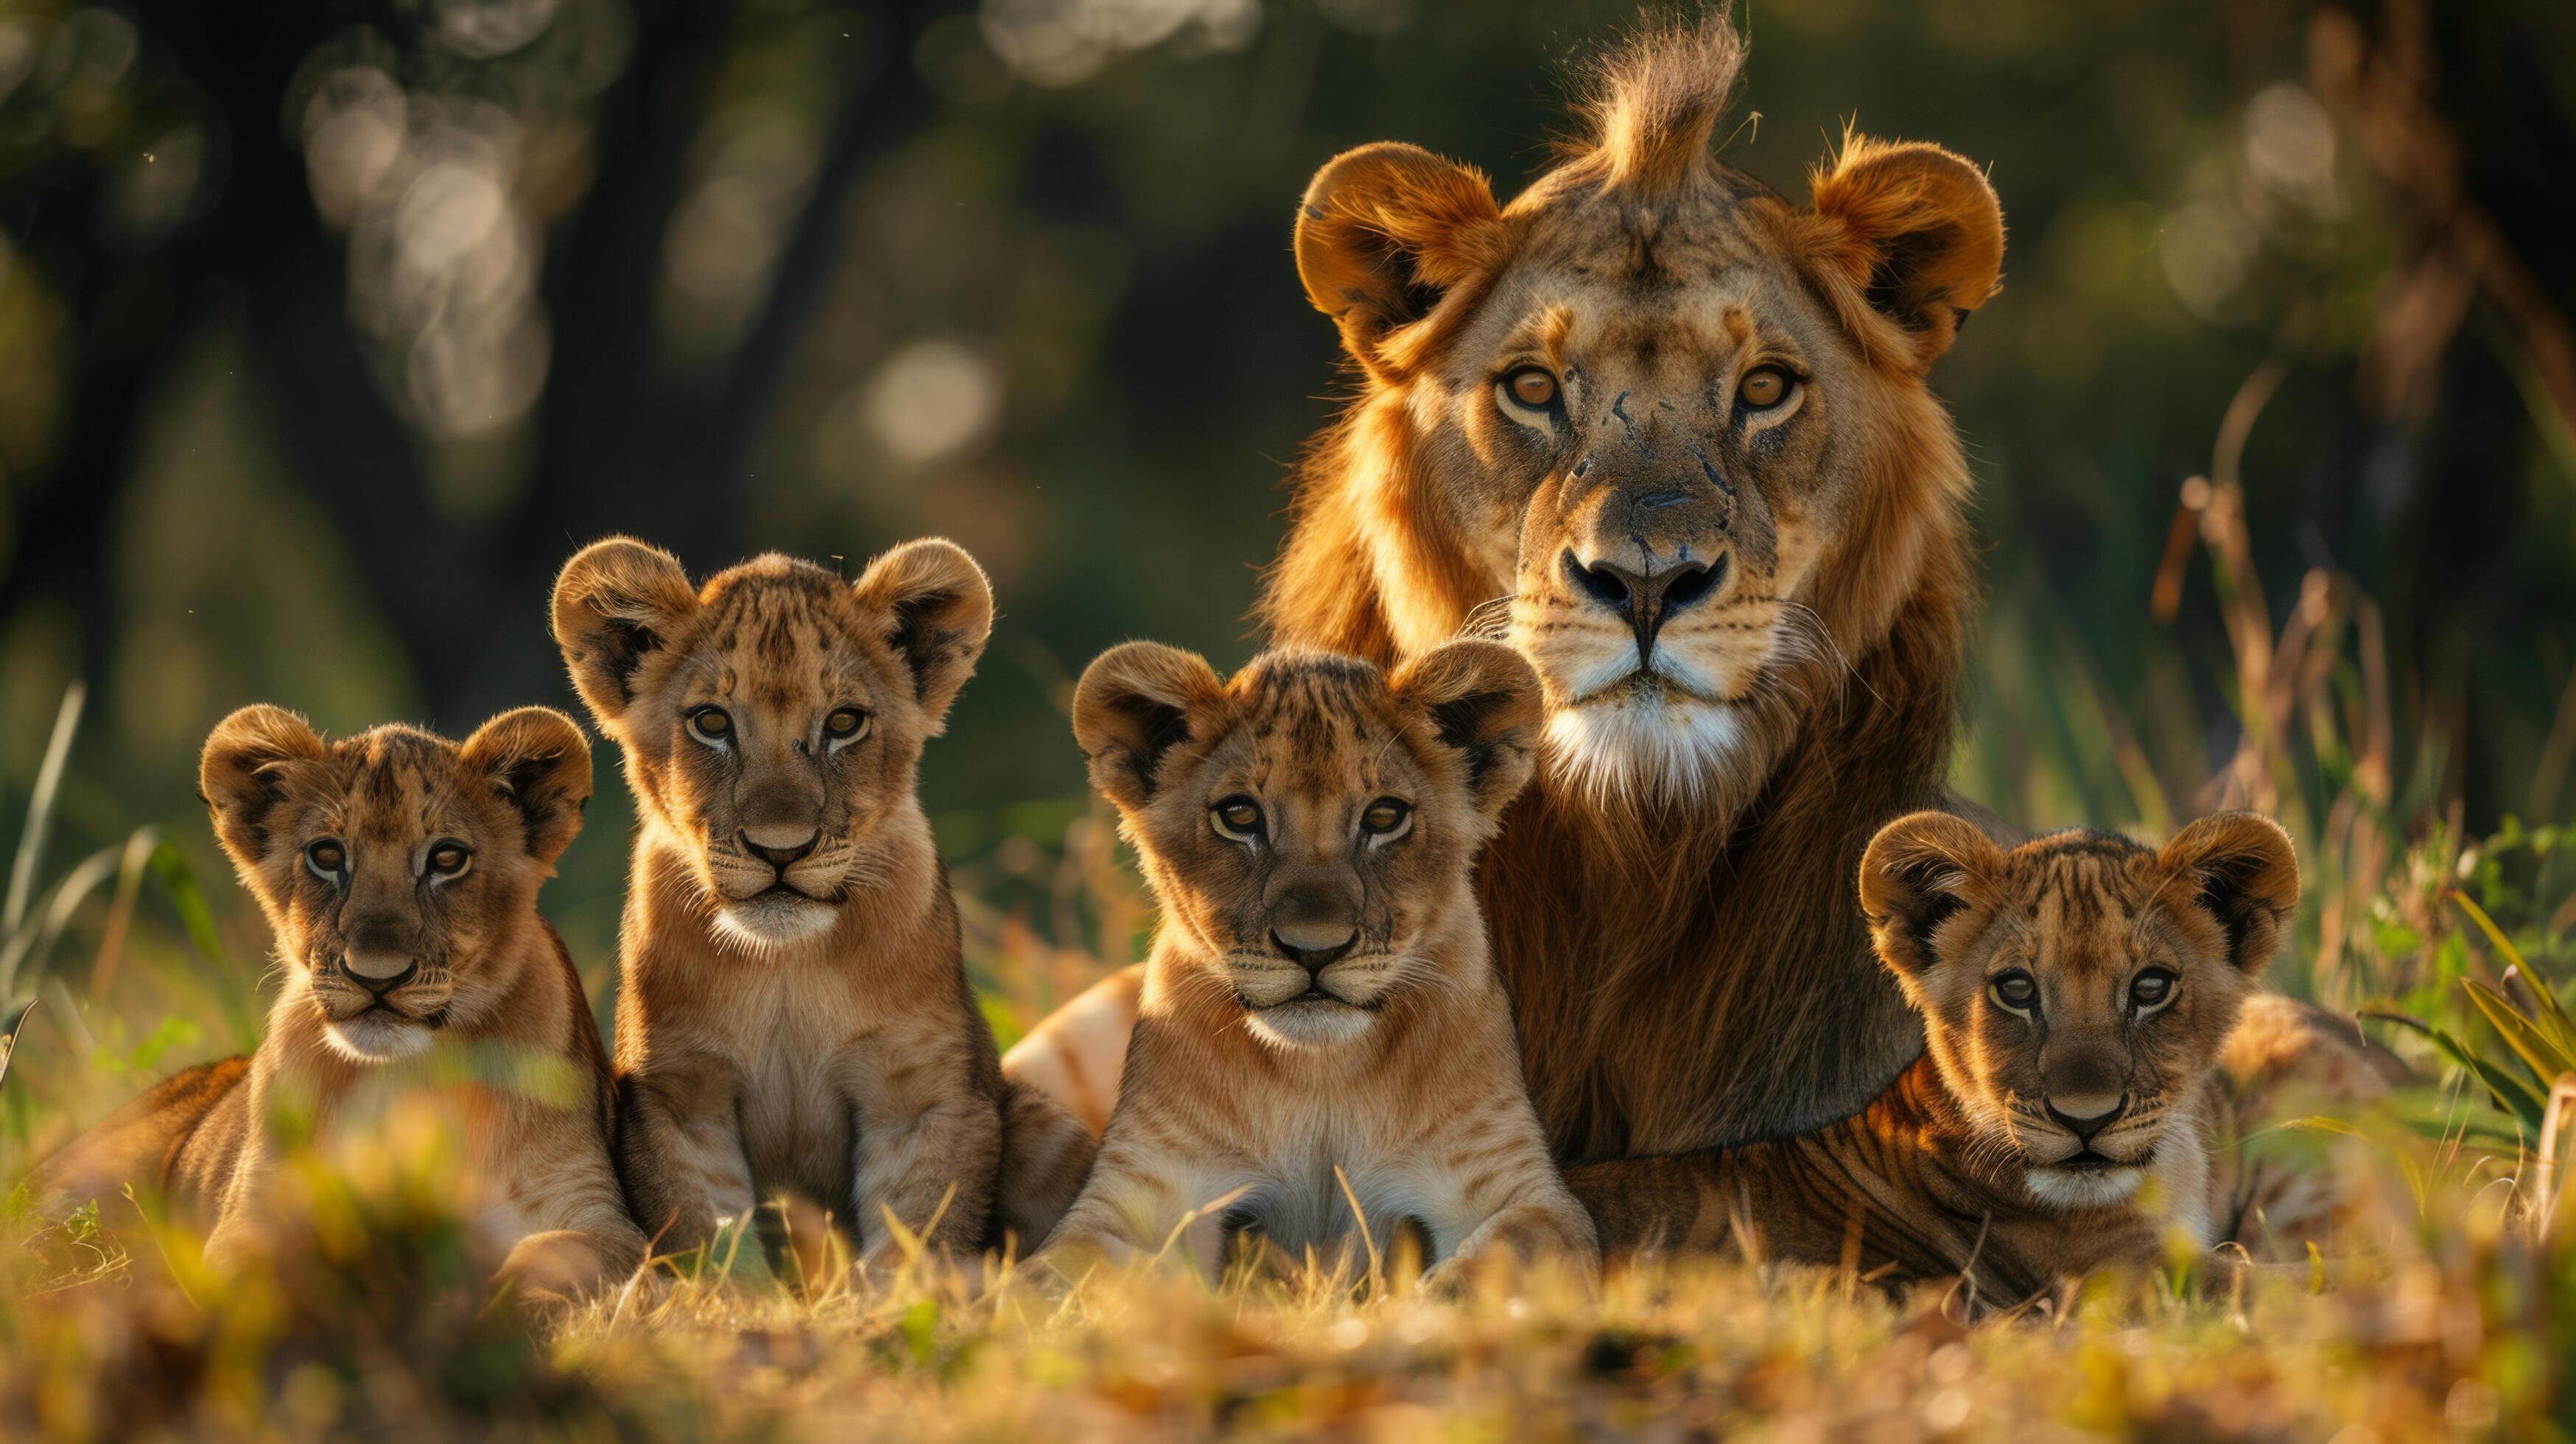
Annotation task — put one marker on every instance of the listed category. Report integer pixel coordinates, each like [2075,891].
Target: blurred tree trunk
[2455,107]
[621,443]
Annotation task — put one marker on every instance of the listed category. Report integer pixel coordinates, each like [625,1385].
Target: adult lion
[1668,433]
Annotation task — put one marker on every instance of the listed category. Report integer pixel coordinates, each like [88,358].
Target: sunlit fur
[487,973]
[1972,1162]
[1667,903]
[804,1030]
[1380,1085]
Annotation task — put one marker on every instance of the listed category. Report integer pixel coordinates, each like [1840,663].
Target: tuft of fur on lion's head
[1310,825]
[1661,427]
[2078,990]
[397,869]
[773,719]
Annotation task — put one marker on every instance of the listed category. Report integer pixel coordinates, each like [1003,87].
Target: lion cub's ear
[537,762]
[250,762]
[939,611]
[1384,232]
[1916,236]
[1483,701]
[2240,870]
[617,604]
[1135,703]
[1922,870]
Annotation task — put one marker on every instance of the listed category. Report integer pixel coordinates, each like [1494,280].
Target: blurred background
[328,329]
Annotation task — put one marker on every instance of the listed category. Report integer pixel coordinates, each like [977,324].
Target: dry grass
[2441,1317]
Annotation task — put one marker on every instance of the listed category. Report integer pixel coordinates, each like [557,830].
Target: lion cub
[2071,1107]
[795,1017]
[399,872]
[1319,1024]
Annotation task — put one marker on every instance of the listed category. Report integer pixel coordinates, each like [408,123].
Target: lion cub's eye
[1763,387]
[845,723]
[2015,990]
[448,859]
[1386,819]
[711,724]
[326,856]
[1238,818]
[2151,989]
[1532,387]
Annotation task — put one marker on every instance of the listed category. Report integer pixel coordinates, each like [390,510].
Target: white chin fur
[1631,746]
[2072,1188]
[1310,1025]
[376,1038]
[772,920]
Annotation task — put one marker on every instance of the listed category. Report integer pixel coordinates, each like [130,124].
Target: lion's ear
[2240,869]
[1916,233]
[248,766]
[537,761]
[1135,703]
[939,611]
[1483,701]
[617,603]
[1921,871]
[1384,232]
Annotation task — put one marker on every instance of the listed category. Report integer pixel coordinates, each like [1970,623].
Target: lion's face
[1311,823]
[396,868]
[2077,990]
[772,720]
[1653,405]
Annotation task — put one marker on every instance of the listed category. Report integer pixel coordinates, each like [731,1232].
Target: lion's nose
[2086,1114]
[1647,599]
[1313,944]
[378,972]
[782,847]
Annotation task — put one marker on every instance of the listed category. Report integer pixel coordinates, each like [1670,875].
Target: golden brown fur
[1746,618]
[399,872]
[2072,1110]
[795,1018]
[1319,1029]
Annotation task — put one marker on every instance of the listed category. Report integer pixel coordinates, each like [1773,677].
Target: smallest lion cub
[2072,1106]
[1320,1029]
[399,871]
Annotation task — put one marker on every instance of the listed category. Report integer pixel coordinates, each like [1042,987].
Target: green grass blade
[2511,1093]
[2545,1059]
[9,1037]
[33,940]
[40,809]
[2552,1018]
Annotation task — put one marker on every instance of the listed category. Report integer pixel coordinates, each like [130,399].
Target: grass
[2448,1306]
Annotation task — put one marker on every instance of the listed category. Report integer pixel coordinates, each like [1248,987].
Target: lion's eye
[1238,818]
[327,856]
[448,859]
[1763,387]
[711,724]
[1531,386]
[845,723]
[1386,819]
[2152,988]
[2015,990]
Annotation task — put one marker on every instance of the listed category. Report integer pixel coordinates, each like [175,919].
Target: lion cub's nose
[1313,945]
[378,972]
[2085,1114]
[782,847]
